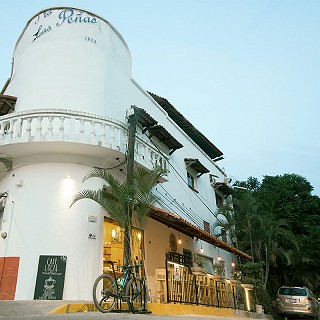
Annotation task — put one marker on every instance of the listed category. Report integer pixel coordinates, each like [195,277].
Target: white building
[63,112]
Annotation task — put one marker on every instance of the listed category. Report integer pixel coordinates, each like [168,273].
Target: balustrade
[78,127]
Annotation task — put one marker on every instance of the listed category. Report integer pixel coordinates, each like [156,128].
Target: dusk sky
[245,73]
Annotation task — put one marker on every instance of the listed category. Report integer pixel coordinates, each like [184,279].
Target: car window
[293,291]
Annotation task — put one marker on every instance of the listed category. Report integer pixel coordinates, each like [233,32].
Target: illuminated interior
[113,244]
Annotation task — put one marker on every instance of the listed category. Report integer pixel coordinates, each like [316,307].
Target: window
[1,216]
[219,201]
[187,257]
[2,205]
[207,263]
[224,235]
[190,179]
[206,226]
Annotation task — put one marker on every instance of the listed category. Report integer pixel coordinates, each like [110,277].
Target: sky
[246,73]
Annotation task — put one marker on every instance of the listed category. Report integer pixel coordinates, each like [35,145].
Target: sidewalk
[45,307]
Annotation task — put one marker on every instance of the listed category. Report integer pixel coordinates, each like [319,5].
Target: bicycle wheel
[105,293]
[136,291]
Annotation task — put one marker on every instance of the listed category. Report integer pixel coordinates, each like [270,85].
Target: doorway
[113,244]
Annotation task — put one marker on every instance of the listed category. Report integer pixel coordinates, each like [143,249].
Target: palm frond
[89,194]
[96,172]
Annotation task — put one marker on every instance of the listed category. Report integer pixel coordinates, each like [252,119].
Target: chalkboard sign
[50,278]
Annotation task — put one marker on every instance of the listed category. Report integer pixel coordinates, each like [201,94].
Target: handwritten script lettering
[45,14]
[68,15]
[41,31]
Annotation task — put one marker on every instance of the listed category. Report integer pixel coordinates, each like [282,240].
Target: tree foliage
[277,221]
[127,202]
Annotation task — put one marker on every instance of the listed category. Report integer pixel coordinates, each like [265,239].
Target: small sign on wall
[50,278]
[92,219]
[92,236]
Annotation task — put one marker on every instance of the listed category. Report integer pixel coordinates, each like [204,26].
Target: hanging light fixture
[219,258]
[179,240]
[201,250]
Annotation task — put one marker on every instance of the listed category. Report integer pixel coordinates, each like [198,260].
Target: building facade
[64,111]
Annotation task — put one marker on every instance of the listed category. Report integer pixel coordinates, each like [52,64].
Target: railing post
[28,129]
[61,128]
[93,138]
[50,127]
[102,134]
[38,134]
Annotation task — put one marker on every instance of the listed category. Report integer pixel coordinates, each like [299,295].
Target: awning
[196,165]
[200,139]
[7,104]
[174,221]
[148,123]
[165,137]
[223,187]
[144,118]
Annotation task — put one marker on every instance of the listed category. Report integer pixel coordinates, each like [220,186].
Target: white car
[294,302]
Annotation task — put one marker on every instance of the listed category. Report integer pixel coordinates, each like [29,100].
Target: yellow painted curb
[155,308]
[158,308]
[74,307]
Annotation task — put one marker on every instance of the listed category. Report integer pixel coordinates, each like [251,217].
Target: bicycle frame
[124,277]
[125,287]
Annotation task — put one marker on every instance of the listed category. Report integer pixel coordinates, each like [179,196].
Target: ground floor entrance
[113,244]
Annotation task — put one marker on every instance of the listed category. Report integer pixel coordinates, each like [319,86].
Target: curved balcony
[67,132]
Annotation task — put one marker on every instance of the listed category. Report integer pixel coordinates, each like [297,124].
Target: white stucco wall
[78,61]
[70,59]
[38,221]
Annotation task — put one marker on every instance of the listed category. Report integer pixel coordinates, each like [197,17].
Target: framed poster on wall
[50,278]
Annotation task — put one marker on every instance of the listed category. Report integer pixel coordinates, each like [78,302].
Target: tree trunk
[127,251]
[267,270]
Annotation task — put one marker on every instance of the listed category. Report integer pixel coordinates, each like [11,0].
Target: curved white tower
[69,59]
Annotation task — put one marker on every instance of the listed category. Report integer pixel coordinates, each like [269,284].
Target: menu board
[50,278]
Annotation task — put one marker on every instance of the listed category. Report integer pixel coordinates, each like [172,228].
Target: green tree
[273,233]
[246,210]
[290,197]
[127,202]
[226,220]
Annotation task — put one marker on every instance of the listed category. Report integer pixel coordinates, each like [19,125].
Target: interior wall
[157,244]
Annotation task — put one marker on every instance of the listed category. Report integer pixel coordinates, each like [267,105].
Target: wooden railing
[185,287]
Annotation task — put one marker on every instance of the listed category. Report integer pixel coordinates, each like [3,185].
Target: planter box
[218,277]
[198,271]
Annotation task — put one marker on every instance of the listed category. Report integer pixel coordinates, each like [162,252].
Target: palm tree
[246,210]
[228,222]
[126,202]
[273,232]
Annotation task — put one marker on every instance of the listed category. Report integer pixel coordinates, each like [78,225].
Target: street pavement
[29,310]
[112,316]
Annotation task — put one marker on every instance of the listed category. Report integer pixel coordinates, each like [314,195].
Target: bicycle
[108,290]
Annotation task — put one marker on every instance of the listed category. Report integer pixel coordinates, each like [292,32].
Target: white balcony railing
[77,127]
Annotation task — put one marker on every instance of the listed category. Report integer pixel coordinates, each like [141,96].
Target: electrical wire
[182,178]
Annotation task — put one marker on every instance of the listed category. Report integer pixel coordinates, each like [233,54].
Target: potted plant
[236,275]
[218,271]
[198,267]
